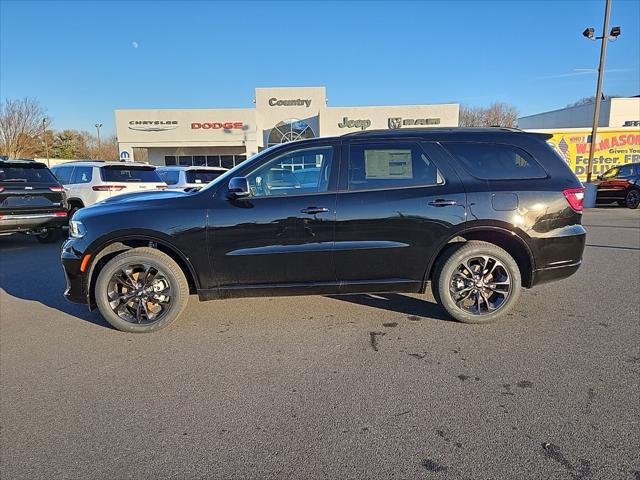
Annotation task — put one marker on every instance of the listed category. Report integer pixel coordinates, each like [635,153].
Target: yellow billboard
[613,146]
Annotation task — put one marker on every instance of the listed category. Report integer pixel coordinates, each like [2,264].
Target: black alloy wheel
[632,199]
[139,293]
[141,290]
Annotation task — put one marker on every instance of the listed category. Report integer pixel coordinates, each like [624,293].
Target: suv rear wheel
[141,290]
[477,282]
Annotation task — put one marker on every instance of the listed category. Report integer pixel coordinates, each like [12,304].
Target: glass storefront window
[170,160]
[199,160]
[226,161]
[186,160]
[213,160]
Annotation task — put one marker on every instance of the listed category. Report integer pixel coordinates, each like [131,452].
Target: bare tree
[589,100]
[497,114]
[21,122]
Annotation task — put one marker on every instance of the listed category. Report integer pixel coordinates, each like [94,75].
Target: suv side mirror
[238,188]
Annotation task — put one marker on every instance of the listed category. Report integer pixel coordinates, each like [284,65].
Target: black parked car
[620,184]
[478,213]
[31,200]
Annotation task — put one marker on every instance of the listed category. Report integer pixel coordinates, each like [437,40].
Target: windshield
[26,174]
[231,173]
[130,174]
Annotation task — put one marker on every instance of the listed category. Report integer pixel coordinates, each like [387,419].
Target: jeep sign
[361,124]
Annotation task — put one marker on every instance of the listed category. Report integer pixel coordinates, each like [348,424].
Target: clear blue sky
[82,60]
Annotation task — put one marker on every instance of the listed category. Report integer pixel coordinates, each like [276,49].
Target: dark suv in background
[31,200]
[478,213]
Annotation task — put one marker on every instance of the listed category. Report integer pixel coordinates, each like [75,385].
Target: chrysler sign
[153,125]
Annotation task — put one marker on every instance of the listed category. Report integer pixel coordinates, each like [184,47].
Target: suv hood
[144,196]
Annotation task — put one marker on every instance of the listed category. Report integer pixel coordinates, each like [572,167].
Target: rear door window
[82,175]
[390,165]
[493,161]
[130,174]
[63,174]
[170,177]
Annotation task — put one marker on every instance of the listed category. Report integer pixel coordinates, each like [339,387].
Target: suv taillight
[108,188]
[575,197]
[56,189]
[1,189]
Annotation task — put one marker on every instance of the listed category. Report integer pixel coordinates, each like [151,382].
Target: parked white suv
[89,182]
[189,178]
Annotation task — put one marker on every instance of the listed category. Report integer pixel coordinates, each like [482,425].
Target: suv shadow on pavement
[397,302]
[31,271]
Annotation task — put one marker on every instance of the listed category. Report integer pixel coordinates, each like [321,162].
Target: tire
[134,314]
[505,270]
[622,203]
[51,235]
[72,211]
[632,198]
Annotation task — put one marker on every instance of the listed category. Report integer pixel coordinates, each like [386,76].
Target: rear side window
[390,165]
[130,174]
[170,177]
[63,174]
[82,175]
[201,176]
[26,174]
[494,161]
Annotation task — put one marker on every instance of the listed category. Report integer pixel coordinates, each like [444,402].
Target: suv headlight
[77,229]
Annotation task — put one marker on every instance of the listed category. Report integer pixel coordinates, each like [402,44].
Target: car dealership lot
[361,386]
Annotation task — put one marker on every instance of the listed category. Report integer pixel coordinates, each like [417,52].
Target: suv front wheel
[477,282]
[632,199]
[141,290]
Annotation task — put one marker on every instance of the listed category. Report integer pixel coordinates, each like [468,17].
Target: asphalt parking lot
[361,386]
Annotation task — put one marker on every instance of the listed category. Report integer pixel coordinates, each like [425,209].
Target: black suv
[620,184]
[478,213]
[31,200]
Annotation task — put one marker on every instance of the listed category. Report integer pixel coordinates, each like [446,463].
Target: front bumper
[32,222]
[76,290]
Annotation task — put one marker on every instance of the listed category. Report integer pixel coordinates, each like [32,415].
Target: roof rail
[409,131]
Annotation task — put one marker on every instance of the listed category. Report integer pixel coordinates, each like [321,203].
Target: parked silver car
[189,178]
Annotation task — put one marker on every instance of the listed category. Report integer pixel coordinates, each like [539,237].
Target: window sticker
[385,164]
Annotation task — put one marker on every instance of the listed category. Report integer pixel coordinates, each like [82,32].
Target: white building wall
[614,112]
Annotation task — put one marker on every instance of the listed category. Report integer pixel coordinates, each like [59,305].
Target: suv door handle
[314,210]
[440,202]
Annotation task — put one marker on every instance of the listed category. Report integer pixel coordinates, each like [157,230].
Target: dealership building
[614,113]
[226,137]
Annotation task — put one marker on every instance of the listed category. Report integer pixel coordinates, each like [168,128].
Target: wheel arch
[108,249]
[503,237]
[75,201]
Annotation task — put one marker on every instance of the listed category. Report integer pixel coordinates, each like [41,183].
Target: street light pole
[596,110]
[98,125]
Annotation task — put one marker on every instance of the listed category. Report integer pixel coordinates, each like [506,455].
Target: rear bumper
[559,256]
[30,222]
[552,274]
